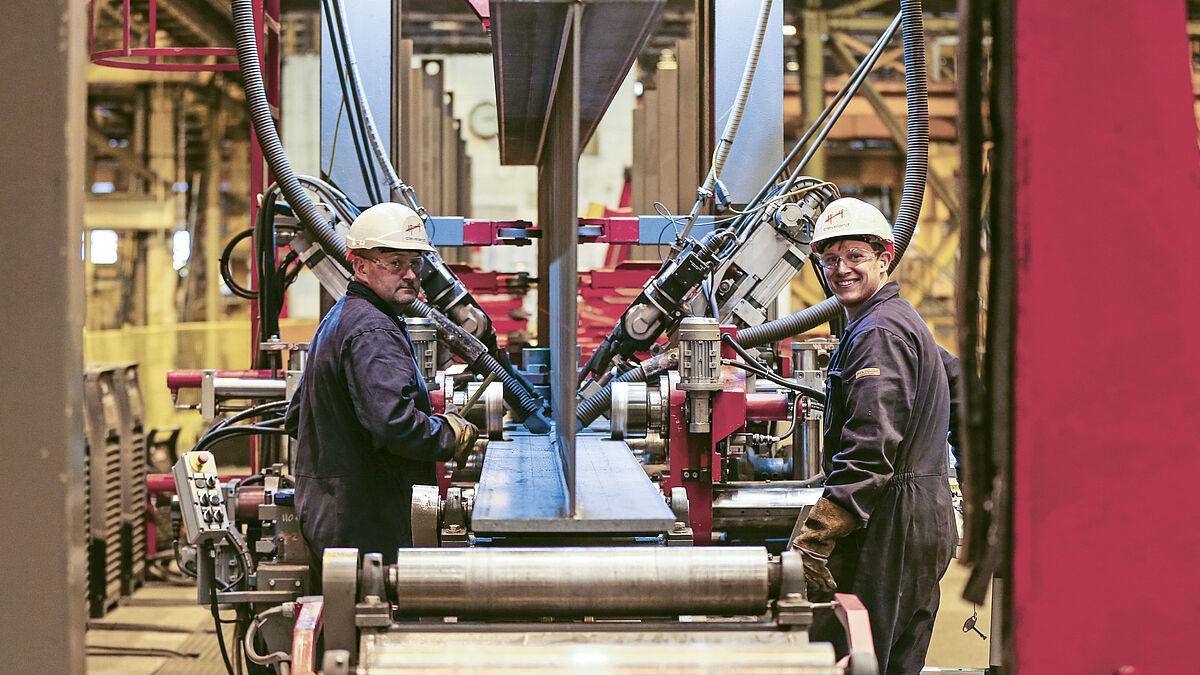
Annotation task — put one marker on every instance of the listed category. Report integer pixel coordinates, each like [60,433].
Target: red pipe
[763,407]
[190,379]
[164,483]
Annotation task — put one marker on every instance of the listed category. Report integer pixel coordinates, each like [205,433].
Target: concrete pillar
[43,564]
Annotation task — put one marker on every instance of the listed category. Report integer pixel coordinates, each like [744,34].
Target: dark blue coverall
[365,436]
[887,415]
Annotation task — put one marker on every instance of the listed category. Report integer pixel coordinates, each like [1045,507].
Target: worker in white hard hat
[361,413]
[884,526]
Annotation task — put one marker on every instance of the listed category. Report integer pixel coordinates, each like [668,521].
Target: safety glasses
[399,266]
[853,258]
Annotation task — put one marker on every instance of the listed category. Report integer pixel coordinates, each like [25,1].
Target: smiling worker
[884,527]
[361,414]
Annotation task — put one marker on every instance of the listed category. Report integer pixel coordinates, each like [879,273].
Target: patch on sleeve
[865,372]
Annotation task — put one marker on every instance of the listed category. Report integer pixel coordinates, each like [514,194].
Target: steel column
[558,182]
[43,563]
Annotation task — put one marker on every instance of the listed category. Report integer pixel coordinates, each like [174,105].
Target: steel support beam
[879,24]
[854,7]
[155,184]
[940,261]
[558,183]
[42,599]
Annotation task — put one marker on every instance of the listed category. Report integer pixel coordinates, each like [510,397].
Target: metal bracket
[454,532]
[792,608]
[336,662]
[679,504]
[208,395]
[680,535]
[426,514]
[340,587]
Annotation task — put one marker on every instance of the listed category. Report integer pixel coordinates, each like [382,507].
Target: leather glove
[465,434]
[827,522]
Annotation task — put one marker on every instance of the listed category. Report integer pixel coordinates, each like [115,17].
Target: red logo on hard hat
[415,226]
[836,214]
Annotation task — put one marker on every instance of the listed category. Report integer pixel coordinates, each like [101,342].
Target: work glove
[827,522]
[465,434]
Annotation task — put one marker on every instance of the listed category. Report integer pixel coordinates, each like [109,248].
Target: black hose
[256,411]
[755,366]
[268,138]
[227,275]
[213,607]
[793,324]
[598,403]
[315,223]
[781,381]
[212,439]
[270,296]
[916,165]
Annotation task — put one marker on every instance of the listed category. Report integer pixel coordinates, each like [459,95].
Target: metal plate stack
[131,431]
[114,422]
[101,421]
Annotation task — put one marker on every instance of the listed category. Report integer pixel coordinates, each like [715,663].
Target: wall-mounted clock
[483,121]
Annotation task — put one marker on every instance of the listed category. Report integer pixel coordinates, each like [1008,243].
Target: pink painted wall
[1106,559]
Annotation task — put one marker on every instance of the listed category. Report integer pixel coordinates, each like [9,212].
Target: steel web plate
[522,490]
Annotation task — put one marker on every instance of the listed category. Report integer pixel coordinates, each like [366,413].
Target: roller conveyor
[594,609]
[585,581]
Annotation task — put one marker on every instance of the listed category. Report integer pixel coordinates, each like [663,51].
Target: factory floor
[161,630]
[951,647]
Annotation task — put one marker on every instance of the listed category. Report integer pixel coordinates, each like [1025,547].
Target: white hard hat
[388,225]
[854,218]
